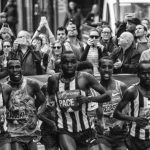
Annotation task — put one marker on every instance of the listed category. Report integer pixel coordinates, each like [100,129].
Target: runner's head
[85,66]
[68,63]
[14,69]
[144,72]
[106,68]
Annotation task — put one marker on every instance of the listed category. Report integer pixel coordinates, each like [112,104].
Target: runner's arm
[40,98]
[103,96]
[129,95]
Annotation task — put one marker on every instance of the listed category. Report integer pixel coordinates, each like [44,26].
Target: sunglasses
[58,47]
[94,36]
[6,46]
[106,32]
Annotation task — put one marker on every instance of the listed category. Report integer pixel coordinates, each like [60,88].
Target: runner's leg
[122,148]
[51,148]
[32,146]
[17,146]
[6,146]
[67,142]
[104,147]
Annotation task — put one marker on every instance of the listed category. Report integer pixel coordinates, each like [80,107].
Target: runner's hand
[141,122]
[82,99]
[32,122]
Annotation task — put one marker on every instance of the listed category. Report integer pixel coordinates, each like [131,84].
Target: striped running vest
[140,107]
[71,120]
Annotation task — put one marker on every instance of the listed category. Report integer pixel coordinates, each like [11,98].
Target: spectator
[145,56]
[26,35]
[74,13]
[126,57]
[93,17]
[141,39]
[61,34]
[93,50]
[11,14]
[129,25]
[146,23]
[29,58]
[44,23]
[72,43]
[107,41]
[53,61]
[6,47]
[45,48]
[6,34]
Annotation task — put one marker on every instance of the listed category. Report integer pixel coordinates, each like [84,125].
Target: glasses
[94,36]
[7,46]
[58,47]
[106,32]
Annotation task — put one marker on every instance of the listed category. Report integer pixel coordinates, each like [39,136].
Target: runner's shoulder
[132,91]
[53,78]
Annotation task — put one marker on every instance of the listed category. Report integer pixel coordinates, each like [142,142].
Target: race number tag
[109,107]
[67,100]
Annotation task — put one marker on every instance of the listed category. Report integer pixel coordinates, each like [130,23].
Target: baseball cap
[135,21]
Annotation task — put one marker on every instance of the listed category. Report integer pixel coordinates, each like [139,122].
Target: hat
[135,21]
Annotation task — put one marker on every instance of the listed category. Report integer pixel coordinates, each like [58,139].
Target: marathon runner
[137,97]
[4,137]
[114,131]
[69,90]
[22,98]
[47,113]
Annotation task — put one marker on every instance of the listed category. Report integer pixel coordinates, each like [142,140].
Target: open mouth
[106,75]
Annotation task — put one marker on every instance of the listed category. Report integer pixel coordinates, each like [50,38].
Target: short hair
[84,65]
[13,58]
[145,29]
[107,26]
[94,29]
[104,57]
[129,37]
[26,34]
[141,63]
[62,29]
[63,55]
[38,39]
[6,40]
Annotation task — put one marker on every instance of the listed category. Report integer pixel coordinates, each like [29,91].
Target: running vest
[140,107]
[70,116]
[109,107]
[20,112]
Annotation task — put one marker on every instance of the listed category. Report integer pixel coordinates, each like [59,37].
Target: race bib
[67,100]
[109,107]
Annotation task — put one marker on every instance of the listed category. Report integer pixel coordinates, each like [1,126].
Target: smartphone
[43,18]
[5,25]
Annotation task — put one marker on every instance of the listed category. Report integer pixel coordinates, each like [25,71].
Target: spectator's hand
[90,42]
[46,24]
[100,46]
[117,64]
